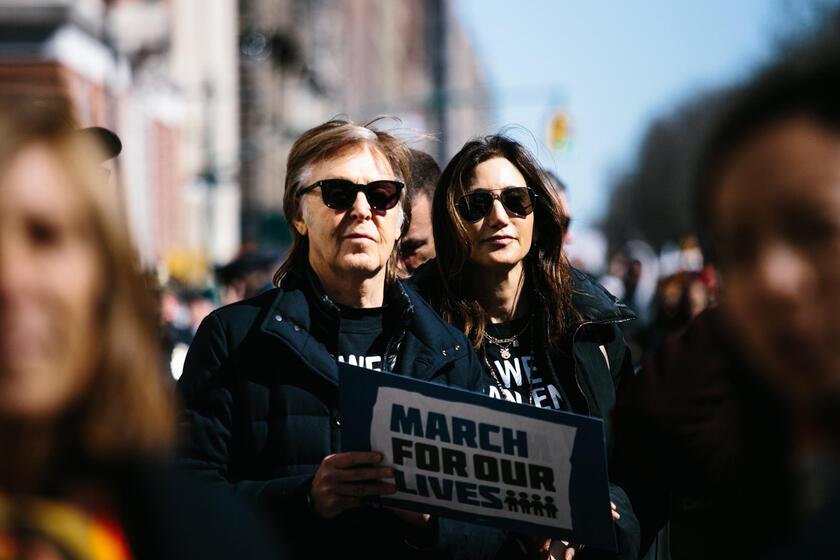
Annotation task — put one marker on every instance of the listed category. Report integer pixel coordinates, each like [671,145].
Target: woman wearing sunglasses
[545,333]
[260,382]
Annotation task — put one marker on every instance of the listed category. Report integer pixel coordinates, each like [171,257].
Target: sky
[612,66]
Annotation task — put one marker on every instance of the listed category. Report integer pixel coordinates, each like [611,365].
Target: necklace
[505,344]
[492,371]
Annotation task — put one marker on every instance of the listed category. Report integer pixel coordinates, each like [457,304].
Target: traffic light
[558,131]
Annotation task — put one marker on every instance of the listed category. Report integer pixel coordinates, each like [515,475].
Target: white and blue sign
[471,457]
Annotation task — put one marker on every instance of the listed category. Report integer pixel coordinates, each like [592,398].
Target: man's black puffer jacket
[261,412]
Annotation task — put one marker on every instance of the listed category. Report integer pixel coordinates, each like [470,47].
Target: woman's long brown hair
[547,272]
[126,409]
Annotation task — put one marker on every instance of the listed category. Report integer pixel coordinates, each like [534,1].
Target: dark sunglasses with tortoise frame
[475,205]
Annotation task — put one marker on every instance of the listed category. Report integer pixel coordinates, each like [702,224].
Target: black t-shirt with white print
[516,370]
[361,337]
[354,335]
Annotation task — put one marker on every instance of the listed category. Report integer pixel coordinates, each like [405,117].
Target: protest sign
[467,456]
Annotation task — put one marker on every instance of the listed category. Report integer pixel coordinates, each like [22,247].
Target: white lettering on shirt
[369,362]
[511,372]
[510,367]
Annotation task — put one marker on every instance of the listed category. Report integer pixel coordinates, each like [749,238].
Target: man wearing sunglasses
[260,383]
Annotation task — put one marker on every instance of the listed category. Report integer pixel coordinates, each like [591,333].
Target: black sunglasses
[340,194]
[517,200]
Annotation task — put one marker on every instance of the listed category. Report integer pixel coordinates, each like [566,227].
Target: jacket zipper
[386,358]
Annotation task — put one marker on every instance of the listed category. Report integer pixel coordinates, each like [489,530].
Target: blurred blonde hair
[126,410]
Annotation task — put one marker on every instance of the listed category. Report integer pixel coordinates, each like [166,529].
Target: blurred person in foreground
[107,146]
[261,379]
[737,421]
[86,423]
[502,277]
[418,244]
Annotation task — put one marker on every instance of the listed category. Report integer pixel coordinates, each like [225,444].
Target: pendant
[505,352]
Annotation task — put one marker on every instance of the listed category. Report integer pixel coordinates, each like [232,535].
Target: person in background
[563,198]
[199,304]
[734,431]
[502,277]
[679,299]
[176,332]
[247,275]
[613,278]
[107,146]
[86,422]
[260,384]
[418,244]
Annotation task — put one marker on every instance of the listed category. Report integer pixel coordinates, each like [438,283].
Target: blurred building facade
[182,118]
[305,61]
[164,76]
[208,96]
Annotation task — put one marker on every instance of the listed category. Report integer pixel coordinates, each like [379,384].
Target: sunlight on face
[500,239]
[358,240]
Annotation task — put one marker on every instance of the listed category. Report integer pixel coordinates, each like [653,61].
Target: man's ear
[400,223]
[300,225]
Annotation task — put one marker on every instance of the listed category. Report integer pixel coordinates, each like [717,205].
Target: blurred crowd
[183,307]
[714,364]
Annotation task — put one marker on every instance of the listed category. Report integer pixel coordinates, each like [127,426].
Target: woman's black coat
[601,360]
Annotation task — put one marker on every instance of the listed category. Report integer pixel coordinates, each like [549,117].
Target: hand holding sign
[345,480]
[559,549]
[412,518]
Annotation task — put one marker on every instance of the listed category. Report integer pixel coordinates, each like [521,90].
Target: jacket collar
[290,316]
[594,303]
[441,341]
[289,319]
[399,307]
